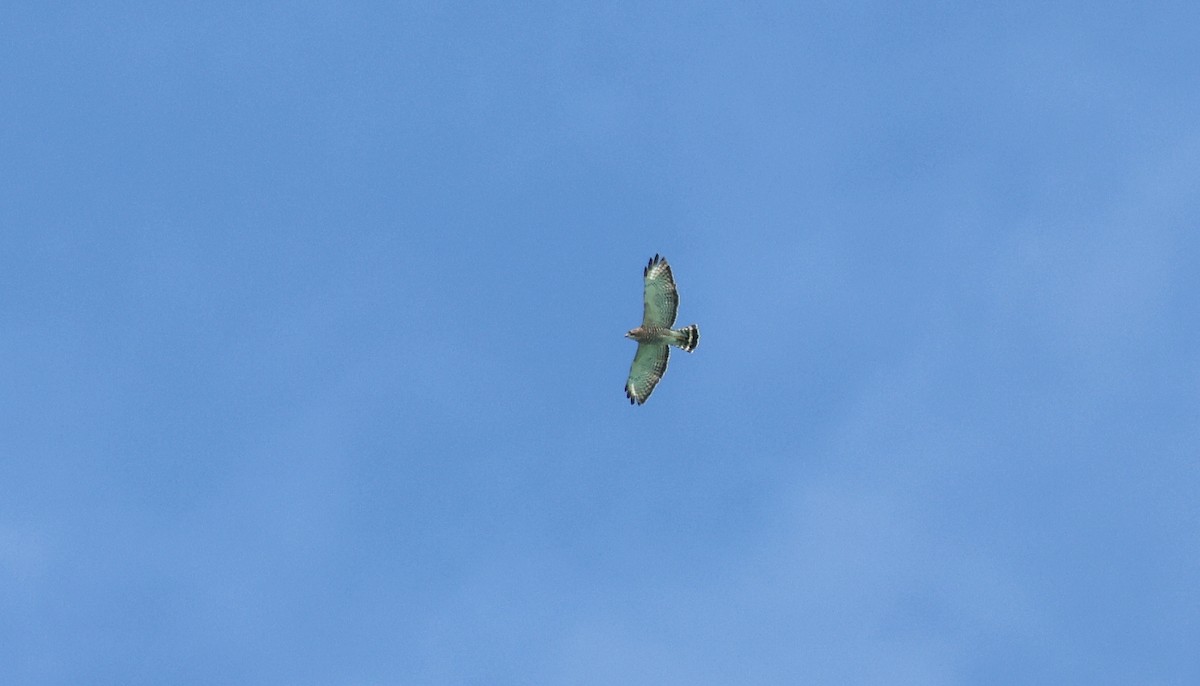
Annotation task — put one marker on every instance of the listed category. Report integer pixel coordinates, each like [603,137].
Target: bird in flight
[655,336]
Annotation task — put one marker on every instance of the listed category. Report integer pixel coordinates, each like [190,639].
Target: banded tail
[687,338]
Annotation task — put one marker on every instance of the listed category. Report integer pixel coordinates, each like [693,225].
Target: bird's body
[683,338]
[655,335]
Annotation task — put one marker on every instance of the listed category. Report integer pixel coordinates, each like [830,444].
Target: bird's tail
[687,338]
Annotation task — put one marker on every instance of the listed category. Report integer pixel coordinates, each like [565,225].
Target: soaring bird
[655,336]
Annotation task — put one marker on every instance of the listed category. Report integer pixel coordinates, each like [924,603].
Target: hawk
[655,336]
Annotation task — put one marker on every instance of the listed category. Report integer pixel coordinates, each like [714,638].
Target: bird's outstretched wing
[649,365]
[662,300]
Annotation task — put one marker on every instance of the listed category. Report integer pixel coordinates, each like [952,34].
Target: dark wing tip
[657,259]
[632,400]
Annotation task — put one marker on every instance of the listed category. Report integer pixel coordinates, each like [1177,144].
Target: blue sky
[311,343]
